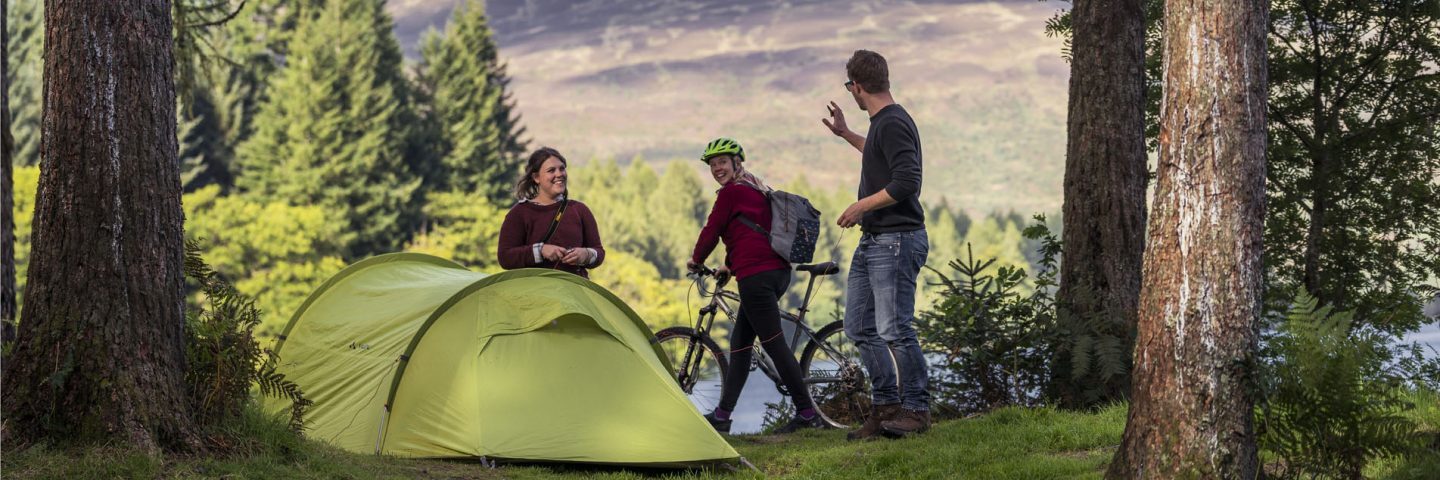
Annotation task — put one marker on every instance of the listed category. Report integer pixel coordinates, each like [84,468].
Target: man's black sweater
[891,161]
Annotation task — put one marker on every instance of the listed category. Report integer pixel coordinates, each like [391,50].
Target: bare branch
[221,21]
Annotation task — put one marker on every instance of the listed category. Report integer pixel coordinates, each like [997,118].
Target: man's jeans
[880,315]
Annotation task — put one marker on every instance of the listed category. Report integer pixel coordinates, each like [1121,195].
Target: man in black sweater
[880,300]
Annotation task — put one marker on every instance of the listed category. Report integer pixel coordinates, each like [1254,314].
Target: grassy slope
[1010,443]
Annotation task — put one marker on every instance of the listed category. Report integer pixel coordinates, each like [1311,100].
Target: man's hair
[868,69]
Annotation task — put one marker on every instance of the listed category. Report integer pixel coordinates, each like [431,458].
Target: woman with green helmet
[762,275]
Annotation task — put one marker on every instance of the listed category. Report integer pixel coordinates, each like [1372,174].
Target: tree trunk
[1191,406]
[1321,184]
[100,356]
[7,187]
[1105,179]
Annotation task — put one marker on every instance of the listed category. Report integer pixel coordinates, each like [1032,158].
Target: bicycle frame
[760,360]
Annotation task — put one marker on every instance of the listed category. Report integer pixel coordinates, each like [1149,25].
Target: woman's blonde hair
[751,178]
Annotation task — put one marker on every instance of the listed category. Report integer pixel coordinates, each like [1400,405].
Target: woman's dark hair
[526,188]
[868,69]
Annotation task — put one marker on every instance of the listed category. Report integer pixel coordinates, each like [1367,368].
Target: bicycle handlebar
[700,271]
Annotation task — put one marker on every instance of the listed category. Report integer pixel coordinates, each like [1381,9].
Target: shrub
[993,343]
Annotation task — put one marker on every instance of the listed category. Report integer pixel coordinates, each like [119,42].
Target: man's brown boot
[871,428]
[908,422]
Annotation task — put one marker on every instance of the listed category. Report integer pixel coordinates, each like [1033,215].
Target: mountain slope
[657,79]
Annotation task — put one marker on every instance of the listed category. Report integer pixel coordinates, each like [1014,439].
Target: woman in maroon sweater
[763,277]
[574,246]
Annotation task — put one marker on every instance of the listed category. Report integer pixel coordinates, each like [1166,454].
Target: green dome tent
[412,355]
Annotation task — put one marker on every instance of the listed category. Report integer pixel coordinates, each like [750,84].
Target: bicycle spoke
[698,369]
[835,378]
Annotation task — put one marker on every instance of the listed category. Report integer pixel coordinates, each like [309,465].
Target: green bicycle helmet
[722,146]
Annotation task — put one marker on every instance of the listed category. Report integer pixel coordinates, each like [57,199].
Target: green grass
[1422,466]
[1009,443]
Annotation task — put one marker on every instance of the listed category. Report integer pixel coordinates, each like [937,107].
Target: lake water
[749,413]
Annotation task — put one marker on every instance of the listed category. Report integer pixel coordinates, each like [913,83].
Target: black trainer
[722,426]
[798,423]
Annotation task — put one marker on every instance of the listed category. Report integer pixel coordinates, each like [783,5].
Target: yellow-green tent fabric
[412,355]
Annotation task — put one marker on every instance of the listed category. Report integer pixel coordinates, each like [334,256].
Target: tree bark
[1191,409]
[1105,180]
[100,355]
[7,187]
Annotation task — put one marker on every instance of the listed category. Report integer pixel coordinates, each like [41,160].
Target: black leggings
[760,316]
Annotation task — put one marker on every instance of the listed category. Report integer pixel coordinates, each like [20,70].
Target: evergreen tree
[25,26]
[676,209]
[463,227]
[7,190]
[101,353]
[1353,100]
[226,51]
[1193,389]
[478,126]
[334,129]
[1105,180]
[997,238]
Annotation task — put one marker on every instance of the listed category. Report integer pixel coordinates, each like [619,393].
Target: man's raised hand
[836,122]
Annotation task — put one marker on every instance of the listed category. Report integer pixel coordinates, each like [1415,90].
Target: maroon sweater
[527,223]
[747,252]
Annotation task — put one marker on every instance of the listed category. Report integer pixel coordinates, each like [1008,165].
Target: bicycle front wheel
[699,365]
[836,377]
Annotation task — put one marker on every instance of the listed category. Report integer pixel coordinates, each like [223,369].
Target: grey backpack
[794,226]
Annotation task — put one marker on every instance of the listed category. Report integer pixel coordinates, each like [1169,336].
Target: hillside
[658,78]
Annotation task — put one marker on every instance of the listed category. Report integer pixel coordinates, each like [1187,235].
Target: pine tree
[25,25]
[998,239]
[677,206]
[233,64]
[7,189]
[1105,181]
[100,354]
[479,129]
[1192,395]
[334,130]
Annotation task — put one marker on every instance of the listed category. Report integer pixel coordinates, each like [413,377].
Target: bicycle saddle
[827,268]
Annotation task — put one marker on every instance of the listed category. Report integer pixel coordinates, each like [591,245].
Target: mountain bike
[829,361]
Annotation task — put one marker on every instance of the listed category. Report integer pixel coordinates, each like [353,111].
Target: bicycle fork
[690,363]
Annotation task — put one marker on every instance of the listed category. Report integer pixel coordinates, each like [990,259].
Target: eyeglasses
[849,83]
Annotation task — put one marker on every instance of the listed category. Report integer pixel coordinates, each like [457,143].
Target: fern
[1331,404]
[224,359]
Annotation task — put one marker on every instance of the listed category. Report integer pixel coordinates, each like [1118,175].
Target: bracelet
[536,249]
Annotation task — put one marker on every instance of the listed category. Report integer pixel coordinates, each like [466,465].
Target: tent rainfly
[415,356]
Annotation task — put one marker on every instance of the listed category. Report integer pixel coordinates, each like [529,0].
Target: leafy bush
[223,357]
[1334,400]
[994,343]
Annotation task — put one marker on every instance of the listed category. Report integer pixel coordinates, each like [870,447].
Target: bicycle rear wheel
[836,377]
[702,374]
